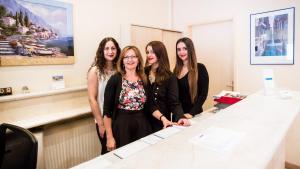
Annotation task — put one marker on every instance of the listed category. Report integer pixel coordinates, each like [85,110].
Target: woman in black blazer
[163,88]
[125,100]
[192,78]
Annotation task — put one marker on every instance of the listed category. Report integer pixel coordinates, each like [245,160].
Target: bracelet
[161,117]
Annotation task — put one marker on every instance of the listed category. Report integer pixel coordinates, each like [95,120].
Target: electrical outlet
[5,91]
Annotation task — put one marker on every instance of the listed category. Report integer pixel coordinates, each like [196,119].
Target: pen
[201,135]
[171,117]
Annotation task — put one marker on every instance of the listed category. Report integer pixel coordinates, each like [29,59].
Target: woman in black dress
[163,88]
[192,78]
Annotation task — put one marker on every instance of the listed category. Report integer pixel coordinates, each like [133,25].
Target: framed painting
[36,32]
[272,37]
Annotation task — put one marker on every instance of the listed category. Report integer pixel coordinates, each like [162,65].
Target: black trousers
[130,125]
[102,141]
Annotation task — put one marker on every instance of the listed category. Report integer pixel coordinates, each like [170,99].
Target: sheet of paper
[165,133]
[217,139]
[130,149]
[98,162]
[192,122]
[151,139]
[180,127]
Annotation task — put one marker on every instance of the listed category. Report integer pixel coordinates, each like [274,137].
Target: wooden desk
[263,120]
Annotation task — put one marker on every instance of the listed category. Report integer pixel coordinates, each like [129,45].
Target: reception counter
[248,135]
[62,122]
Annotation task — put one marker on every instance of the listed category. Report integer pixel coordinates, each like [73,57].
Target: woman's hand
[101,130]
[188,115]
[166,122]
[183,122]
[111,144]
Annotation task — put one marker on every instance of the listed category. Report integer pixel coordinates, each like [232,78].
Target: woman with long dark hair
[163,88]
[192,78]
[102,68]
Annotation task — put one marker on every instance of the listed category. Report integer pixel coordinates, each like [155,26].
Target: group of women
[130,99]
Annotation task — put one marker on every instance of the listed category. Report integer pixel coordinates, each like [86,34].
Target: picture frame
[36,32]
[272,36]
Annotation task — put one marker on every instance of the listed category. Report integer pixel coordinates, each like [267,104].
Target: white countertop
[45,119]
[262,122]
[35,110]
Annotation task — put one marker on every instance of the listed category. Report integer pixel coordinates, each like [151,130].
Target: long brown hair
[163,71]
[139,69]
[193,68]
[100,61]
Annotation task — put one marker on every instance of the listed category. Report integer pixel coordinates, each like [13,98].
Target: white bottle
[269,84]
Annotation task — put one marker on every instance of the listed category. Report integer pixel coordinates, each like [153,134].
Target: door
[169,39]
[141,36]
[214,48]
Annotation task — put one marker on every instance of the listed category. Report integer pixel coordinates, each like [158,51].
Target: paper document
[192,122]
[180,127]
[130,149]
[217,139]
[151,139]
[165,133]
[98,162]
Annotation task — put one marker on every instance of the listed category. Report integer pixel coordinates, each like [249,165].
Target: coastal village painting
[36,32]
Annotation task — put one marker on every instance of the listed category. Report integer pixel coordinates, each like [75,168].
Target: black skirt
[129,126]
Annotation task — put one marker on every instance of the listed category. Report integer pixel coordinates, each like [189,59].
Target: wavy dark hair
[163,71]
[193,68]
[139,69]
[100,61]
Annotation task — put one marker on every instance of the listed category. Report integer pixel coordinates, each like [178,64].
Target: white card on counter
[217,139]
[151,139]
[130,149]
[167,132]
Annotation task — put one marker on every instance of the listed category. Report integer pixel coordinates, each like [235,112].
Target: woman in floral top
[125,118]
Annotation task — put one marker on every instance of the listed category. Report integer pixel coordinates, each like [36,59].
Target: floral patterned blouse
[132,96]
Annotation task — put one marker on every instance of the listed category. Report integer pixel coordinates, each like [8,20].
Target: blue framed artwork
[36,32]
[272,37]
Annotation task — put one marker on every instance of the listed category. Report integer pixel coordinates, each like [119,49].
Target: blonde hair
[139,69]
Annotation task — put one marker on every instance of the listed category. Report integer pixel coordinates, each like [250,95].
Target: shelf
[41,94]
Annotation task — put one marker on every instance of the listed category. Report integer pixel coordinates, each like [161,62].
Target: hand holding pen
[166,122]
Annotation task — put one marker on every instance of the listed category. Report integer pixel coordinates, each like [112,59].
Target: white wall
[93,20]
[247,78]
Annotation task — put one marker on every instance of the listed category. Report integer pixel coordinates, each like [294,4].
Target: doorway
[214,48]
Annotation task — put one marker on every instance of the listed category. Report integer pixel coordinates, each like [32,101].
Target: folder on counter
[227,100]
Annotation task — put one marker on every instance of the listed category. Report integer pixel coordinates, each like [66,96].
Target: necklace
[151,79]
